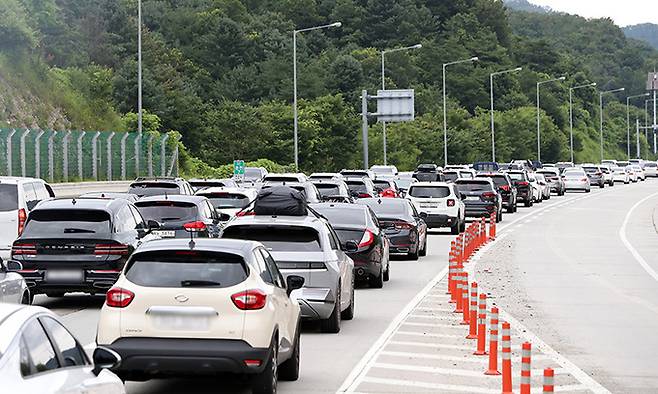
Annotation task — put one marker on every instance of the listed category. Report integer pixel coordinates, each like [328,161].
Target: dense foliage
[647,32]
[220,73]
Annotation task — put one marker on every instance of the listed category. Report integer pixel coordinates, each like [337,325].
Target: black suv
[523,187]
[145,187]
[71,245]
[361,187]
[505,187]
[177,214]
[428,173]
[480,198]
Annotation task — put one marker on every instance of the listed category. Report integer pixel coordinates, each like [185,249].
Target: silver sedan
[576,179]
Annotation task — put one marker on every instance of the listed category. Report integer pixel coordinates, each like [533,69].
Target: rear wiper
[199,283]
[77,230]
[168,219]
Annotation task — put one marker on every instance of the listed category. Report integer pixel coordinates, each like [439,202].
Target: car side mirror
[223,217]
[105,358]
[294,282]
[351,246]
[152,225]
[12,266]
[462,196]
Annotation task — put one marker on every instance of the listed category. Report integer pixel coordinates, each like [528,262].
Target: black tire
[528,203]
[387,273]
[348,314]
[414,255]
[454,229]
[511,209]
[626,183]
[266,381]
[462,227]
[588,190]
[289,369]
[423,251]
[377,282]
[331,325]
[602,185]
[499,216]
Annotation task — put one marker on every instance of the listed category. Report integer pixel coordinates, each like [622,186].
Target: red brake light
[488,195]
[584,180]
[523,183]
[403,225]
[22,217]
[367,239]
[249,299]
[194,227]
[19,248]
[364,195]
[111,249]
[118,297]
[451,202]
[246,213]
[252,362]
[505,188]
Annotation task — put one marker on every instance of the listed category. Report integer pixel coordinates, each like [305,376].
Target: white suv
[206,306]
[439,204]
[18,196]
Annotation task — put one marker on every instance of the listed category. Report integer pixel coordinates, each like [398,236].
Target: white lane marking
[436,317]
[477,360]
[432,345]
[429,335]
[411,323]
[622,235]
[456,371]
[570,388]
[436,386]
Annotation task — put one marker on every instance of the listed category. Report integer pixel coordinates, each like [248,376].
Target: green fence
[73,156]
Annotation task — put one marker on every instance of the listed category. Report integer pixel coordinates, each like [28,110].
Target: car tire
[602,185]
[266,381]
[454,229]
[377,282]
[499,216]
[387,273]
[528,203]
[414,255]
[510,209]
[588,190]
[423,251]
[462,227]
[348,314]
[331,325]
[289,369]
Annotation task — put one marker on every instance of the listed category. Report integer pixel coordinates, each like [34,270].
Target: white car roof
[431,184]
[234,190]
[15,180]
[12,318]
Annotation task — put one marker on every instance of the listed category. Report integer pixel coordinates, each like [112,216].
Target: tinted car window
[8,198]
[252,173]
[227,200]
[186,268]
[57,222]
[328,189]
[388,207]
[498,180]
[591,169]
[339,215]
[381,185]
[67,345]
[168,211]
[429,191]
[517,176]
[41,353]
[357,186]
[278,238]
[472,186]
[154,189]
[450,176]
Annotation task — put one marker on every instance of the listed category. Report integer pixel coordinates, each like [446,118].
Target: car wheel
[387,273]
[289,369]
[462,227]
[454,229]
[423,251]
[377,282]
[588,190]
[332,323]
[602,185]
[510,209]
[414,255]
[348,314]
[499,216]
[528,203]
[266,381]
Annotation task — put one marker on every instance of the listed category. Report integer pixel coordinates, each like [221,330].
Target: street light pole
[139,82]
[589,85]
[384,52]
[628,123]
[445,119]
[294,83]
[539,83]
[491,97]
[601,114]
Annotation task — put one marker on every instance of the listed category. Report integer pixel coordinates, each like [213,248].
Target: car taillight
[403,225]
[599,173]
[451,202]
[584,180]
[19,248]
[22,217]
[488,195]
[364,195]
[523,183]
[245,213]
[505,188]
[194,227]
[367,239]
[118,297]
[111,249]
[249,299]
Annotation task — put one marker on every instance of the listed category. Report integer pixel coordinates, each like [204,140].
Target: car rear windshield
[206,184]
[473,186]
[450,176]
[429,191]
[517,176]
[574,173]
[388,207]
[498,180]
[357,186]
[56,223]
[278,238]
[8,198]
[168,211]
[548,174]
[186,268]
[227,200]
[591,169]
[154,189]
[344,216]
[327,189]
[349,235]
[281,179]
[650,165]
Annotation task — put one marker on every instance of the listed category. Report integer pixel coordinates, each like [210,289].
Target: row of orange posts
[473,307]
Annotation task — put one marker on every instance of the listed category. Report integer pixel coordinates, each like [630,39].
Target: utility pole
[539,83]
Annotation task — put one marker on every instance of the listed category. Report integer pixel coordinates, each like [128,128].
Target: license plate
[472,198]
[64,276]
[165,233]
[186,322]
[429,205]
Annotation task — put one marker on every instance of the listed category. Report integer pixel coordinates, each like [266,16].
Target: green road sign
[238,167]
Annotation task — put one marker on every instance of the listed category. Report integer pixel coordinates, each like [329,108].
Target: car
[620,174]
[486,166]
[386,187]
[623,163]
[467,174]
[335,190]
[639,171]
[402,224]
[544,185]
[126,196]
[228,201]
[13,288]
[175,214]
[552,176]
[634,176]
[526,165]
[439,205]
[404,181]
[145,187]
[358,174]
[611,163]
[576,179]
[428,173]
[198,184]
[357,223]
[18,196]
[562,165]
[456,167]
[308,188]
[638,162]
[607,174]
[505,187]
[253,174]
[306,246]
[524,191]
[325,176]
[384,170]
[79,245]
[481,198]
[450,175]
[38,354]
[651,169]
[361,187]
[290,177]
[537,192]
[206,307]
[595,175]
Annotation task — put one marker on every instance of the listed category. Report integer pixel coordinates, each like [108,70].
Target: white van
[18,196]
[439,204]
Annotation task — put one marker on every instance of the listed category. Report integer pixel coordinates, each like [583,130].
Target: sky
[623,12]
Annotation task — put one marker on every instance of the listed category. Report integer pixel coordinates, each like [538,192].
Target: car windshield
[388,207]
[8,198]
[498,180]
[278,238]
[227,200]
[186,268]
[328,189]
[429,191]
[470,186]
[57,223]
[383,170]
[591,169]
[252,173]
[381,185]
[404,183]
[154,189]
[650,165]
[168,211]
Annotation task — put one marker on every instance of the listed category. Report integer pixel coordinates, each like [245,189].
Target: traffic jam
[217,276]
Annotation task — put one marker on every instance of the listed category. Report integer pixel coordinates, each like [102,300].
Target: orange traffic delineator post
[465,300]
[492,228]
[525,368]
[483,229]
[461,247]
[493,343]
[460,289]
[472,320]
[452,270]
[507,359]
[458,248]
[549,383]
[482,326]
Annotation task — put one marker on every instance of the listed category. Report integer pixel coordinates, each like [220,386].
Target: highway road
[577,271]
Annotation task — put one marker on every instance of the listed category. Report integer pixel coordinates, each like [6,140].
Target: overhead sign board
[395,105]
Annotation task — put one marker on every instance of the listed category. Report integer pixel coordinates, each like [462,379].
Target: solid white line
[456,371]
[435,386]
[622,234]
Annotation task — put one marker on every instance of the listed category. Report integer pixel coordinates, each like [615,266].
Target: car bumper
[94,281]
[479,210]
[576,186]
[186,356]
[438,220]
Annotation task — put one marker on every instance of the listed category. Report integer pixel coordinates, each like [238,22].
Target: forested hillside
[220,73]
[647,32]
